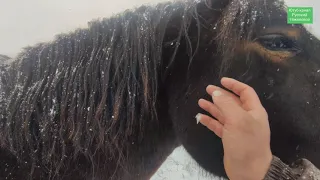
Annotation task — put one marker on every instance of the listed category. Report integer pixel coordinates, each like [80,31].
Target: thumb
[226,104]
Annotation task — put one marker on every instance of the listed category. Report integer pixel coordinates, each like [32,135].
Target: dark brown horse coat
[113,100]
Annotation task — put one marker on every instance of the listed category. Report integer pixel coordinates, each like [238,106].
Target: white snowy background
[26,22]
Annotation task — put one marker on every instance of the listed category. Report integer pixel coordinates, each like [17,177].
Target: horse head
[250,41]
[113,100]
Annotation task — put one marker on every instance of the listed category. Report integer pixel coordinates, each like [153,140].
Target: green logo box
[300,15]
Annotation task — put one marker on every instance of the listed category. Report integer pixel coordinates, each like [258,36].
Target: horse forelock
[238,23]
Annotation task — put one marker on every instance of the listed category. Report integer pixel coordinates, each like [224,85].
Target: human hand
[242,124]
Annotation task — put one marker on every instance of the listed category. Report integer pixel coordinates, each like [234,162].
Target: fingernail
[216,93]
[198,118]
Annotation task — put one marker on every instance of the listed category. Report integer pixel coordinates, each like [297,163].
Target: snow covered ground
[28,22]
[180,166]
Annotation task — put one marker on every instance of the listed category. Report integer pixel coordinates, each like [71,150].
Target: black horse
[113,100]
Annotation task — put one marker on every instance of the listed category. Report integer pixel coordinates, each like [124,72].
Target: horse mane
[96,89]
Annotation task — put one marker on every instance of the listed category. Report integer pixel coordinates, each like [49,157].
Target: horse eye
[276,42]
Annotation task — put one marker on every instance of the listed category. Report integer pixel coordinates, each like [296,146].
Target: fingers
[227,105]
[228,108]
[212,109]
[211,88]
[248,96]
[211,124]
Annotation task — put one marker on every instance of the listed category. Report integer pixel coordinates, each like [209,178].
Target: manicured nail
[216,93]
[198,118]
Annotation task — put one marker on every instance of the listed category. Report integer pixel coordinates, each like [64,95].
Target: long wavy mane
[95,90]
